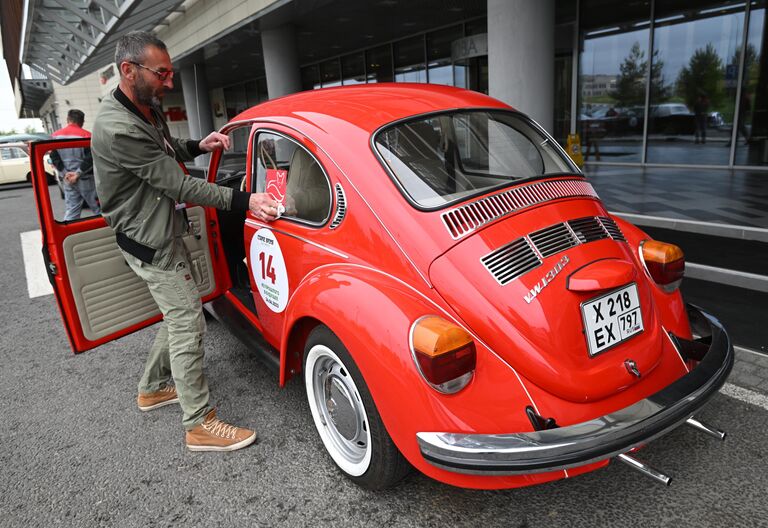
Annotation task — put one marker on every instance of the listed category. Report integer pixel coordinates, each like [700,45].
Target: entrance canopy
[68,39]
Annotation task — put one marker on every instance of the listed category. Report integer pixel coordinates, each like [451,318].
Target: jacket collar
[123,99]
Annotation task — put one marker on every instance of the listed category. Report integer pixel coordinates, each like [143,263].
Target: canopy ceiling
[68,39]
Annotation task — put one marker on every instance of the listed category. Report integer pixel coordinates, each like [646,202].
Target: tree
[703,76]
[30,130]
[630,87]
[750,59]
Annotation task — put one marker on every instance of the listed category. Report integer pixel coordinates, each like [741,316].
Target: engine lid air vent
[588,229]
[511,261]
[553,239]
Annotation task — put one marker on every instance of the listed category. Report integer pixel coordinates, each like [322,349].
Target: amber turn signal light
[665,263]
[444,353]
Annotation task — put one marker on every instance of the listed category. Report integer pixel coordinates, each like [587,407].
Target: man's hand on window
[263,207]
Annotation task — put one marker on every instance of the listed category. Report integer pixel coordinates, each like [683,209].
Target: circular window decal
[268,270]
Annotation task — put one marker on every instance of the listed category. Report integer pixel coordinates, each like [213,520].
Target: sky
[8,117]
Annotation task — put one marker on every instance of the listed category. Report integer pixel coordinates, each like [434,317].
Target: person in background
[143,191]
[75,166]
[700,113]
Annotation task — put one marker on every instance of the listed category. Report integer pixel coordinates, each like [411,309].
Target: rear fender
[372,313]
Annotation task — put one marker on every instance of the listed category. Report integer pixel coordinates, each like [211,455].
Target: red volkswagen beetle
[444,281]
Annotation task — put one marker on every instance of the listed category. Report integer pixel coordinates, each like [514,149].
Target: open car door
[99,296]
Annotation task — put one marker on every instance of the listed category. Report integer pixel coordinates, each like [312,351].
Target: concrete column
[194,85]
[521,56]
[281,61]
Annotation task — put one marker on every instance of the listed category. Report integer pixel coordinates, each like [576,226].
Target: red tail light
[665,263]
[444,353]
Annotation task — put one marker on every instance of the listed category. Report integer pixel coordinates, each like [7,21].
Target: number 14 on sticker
[267,269]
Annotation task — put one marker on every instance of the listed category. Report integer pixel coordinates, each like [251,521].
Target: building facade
[646,82]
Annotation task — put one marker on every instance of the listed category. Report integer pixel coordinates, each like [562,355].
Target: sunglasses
[162,75]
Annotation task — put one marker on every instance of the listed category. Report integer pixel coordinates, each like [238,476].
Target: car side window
[231,170]
[76,186]
[7,153]
[18,153]
[289,173]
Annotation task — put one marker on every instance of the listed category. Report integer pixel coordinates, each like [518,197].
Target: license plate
[611,319]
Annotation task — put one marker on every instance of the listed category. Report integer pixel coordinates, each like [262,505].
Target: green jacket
[139,181]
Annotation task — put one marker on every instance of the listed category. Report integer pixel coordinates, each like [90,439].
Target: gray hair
[132,46]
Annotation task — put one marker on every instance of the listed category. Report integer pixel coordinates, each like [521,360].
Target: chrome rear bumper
[601,438]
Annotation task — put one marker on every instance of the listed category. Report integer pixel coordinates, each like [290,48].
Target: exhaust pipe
[644,469]
[705,428]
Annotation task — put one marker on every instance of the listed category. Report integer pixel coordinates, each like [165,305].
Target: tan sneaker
[152,400]
[215,435]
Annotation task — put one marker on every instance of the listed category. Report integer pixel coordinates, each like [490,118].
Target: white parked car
[14,164]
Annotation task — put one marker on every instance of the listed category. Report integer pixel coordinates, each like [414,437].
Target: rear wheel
[345,414]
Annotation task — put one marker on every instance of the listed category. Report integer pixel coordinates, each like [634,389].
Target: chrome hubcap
[340,408]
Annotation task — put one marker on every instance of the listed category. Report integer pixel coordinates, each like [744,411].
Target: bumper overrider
[600,438]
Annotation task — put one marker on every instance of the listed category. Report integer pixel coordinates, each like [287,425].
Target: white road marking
[34,267]
[745,395]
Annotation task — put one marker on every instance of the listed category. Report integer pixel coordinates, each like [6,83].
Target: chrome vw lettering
[545,280]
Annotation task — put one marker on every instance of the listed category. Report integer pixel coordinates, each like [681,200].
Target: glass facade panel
[439,67]
[472,74]
[409,60]
[693,88]
[612,79]
[752,125]
[235,99]
[330,73]
[379,64]
[310,77]
[252,93]
[353,69]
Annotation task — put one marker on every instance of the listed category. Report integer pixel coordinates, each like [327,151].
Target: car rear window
[444,158]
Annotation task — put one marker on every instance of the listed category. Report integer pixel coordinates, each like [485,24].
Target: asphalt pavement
[77,452]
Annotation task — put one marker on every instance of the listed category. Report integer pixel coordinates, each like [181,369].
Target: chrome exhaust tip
[706,428]
[646,470]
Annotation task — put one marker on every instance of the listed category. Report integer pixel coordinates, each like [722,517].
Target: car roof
[369,106]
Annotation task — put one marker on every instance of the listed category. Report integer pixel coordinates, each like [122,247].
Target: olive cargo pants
[178,348]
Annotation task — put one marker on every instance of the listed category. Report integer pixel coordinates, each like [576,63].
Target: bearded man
[143,190]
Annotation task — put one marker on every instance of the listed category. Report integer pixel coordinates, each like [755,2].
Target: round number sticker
[268,269]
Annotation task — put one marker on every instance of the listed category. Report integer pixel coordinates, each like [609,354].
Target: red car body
[538,404]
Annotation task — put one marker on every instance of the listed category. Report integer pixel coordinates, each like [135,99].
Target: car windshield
[443,158]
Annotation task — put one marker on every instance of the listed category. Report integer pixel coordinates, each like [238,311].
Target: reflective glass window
[353,69]
[292,176]
[330,73]
[449,157]
[439,43]
[310,77]
[235,99]
[614,64]
[752,128]
[379,64]
[693,87]
[252,93]
[409,60]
